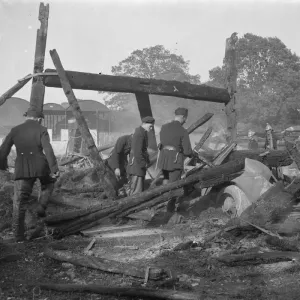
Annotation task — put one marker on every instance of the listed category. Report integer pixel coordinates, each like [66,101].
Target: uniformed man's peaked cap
[33,113]
[148,120]
[181,111]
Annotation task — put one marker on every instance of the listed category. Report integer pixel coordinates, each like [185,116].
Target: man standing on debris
[174,146]
[253,143]
[139,157]
[118,160]
[30,140]
[271,140]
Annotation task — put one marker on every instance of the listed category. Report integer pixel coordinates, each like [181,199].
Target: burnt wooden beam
[106,176]
[14,89]
[230,63]
[38,88]
[126,84]
[144,106]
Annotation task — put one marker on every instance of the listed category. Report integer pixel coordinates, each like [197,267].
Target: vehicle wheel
[233,201]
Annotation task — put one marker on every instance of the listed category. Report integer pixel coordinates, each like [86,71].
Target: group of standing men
[36,160]
[270,139]
[174,146]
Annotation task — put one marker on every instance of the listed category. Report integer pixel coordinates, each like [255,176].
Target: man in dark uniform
[174,146]
[253,143]
[271,140]
[118,160]
[139,157]
[35,160]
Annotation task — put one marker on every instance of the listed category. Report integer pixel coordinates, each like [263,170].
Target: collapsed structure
[218,172]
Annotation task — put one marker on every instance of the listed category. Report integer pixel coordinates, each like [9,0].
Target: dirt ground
[194,270]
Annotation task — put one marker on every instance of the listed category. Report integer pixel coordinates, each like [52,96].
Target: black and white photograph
[149,149]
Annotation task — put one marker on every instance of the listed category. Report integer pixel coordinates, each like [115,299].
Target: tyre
[232,200]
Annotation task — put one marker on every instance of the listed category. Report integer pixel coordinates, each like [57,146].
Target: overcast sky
[92,36]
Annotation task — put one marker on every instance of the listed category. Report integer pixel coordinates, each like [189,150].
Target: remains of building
[247,184]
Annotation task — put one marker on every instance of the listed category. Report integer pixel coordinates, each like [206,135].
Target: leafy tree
[268,81]
[155,63]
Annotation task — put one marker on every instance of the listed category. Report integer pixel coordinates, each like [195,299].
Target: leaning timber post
[107,177]
[230,63]
[145,110]
[38,88]
[9,93]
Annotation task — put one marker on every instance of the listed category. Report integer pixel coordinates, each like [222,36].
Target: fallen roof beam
[126,84]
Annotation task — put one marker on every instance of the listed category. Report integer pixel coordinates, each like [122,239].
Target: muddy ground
[195,269]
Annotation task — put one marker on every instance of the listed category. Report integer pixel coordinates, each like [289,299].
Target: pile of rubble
[248,216]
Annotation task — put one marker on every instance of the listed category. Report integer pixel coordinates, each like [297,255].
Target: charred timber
[38,88]
[103,264]
[276,158]
[126,84]
[205,179]
[130,292]
[106,176]
[9,93]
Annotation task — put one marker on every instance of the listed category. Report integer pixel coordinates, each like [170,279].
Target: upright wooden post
[38,88]
[230,63]
[107,177]
[145,110]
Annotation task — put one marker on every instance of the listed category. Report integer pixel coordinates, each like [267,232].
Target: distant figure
[253,143]
[139,157]
[31,140]
[174,146]
[118,160]
[271,140]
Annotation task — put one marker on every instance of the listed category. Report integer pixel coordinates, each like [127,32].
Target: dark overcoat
[139,157]
[35,156]
[118,158]
[174,137]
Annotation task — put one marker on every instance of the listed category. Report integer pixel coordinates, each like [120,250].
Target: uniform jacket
[139,157]
[30,140]
[274,141]
[174,135]
[118,157]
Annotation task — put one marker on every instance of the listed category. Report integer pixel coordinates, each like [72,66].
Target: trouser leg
[22,192]
[47,187]
[166,177]
[172,177]
[136,184]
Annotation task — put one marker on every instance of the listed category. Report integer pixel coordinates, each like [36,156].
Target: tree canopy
[268,81]
[155,63]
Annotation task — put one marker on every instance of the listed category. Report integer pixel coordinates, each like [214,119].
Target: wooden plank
[103,264]
[145,110]
[9,93]
[150,197]
[106,176]
[203,139]
[38,88]
[230,63]
[129,292]
[126,84]
[199,122]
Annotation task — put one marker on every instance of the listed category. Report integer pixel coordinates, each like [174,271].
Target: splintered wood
[107,177]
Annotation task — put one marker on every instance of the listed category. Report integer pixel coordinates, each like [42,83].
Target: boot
[41,210]
[18,225]
[8,253]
